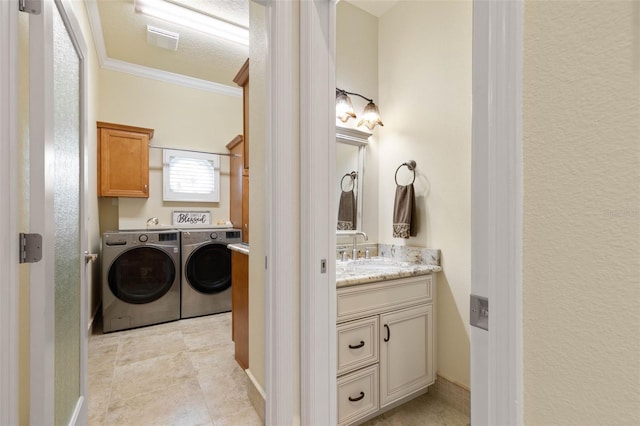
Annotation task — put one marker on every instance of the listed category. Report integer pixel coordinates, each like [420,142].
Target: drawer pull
[386,339]
[357,346]
[357,398]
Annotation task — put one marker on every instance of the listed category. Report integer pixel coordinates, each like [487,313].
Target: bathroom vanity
[386,335]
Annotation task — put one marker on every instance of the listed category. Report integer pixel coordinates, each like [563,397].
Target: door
[56,206]
[406,352]
[208,269]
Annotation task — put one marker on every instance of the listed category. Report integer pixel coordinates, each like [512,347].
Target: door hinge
[30,248]
[32,7]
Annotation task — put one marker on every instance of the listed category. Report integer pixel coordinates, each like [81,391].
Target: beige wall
[425,97]
[182,117]
[357,71]
[581,213]
[257,94]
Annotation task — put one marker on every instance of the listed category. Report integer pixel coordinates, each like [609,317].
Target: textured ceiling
[199,55]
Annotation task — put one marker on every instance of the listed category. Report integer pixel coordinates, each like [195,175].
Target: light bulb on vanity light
[344,110]
[370,116]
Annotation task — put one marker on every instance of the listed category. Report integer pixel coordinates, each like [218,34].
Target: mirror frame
[360,139]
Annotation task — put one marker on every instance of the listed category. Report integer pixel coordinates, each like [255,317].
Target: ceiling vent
[162,38]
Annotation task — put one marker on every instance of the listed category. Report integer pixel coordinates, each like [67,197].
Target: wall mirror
[350,151]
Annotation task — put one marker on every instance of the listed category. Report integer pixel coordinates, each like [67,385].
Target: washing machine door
[208,269]
[141,275]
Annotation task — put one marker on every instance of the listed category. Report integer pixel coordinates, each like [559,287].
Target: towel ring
[353,176]
[411,165]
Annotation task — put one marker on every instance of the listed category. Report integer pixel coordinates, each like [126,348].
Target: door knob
[90,257]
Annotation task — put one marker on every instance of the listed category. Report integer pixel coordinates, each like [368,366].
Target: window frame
[169,195]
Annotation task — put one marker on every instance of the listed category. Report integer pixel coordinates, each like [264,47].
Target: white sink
[371,266]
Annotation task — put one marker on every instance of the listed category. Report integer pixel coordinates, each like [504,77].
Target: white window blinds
[189,176]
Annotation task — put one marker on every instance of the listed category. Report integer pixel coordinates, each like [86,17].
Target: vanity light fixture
[344,110]
[190,18]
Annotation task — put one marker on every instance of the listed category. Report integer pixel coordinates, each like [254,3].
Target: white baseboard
[256,394]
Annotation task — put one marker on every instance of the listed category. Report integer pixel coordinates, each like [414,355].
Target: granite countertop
[239,247]
[393,262]
[364,271]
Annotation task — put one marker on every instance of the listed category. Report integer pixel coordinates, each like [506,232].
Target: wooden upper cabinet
[123,160]
[242,79]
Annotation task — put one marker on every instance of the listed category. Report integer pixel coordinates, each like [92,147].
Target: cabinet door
[240,307]
[124,163]
[245,206]
[406,352]
[357,344]
[357,395]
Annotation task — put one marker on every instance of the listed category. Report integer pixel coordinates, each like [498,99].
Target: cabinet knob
[145,188]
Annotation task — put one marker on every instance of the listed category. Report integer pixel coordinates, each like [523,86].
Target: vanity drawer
[357,344]
[357,395]
[369,299]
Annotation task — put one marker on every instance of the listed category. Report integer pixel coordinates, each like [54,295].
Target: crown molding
[146,72]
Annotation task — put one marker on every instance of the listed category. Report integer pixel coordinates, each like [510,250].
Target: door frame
[496,211]
[318,213]
[8,217]
[310,390]
[281,235]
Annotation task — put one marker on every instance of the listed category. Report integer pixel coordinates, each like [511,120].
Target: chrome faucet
[354,252]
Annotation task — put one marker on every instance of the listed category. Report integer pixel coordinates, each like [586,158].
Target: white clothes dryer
[206,271]
[140,278]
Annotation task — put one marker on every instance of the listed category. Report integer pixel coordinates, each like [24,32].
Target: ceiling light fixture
[195,20]
[344,110]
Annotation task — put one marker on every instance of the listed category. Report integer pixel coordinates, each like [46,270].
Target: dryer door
[141,275]
[208,269]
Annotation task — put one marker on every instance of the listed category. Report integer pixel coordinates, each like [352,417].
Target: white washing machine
[206,271]
[140,278]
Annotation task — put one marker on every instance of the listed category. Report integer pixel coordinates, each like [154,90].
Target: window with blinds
[190,176]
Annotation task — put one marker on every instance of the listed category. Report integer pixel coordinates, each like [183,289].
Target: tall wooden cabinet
[239,216]
[123,160]
[239,211]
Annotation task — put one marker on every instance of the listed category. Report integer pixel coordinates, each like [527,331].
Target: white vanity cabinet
[386,345]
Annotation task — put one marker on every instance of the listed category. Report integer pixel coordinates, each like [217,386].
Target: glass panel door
[58,333]
[66,204]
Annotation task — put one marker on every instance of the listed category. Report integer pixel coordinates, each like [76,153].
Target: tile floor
[426,410]
[184,373]
[178,373]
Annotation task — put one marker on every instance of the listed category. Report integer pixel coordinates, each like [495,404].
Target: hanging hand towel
[403,212]
[347,211]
